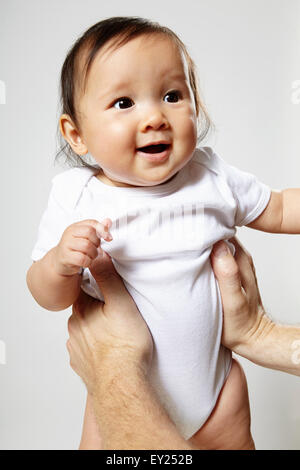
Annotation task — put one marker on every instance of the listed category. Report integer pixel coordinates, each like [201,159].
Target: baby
[157,204]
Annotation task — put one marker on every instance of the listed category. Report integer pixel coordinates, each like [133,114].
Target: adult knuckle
[243,303]
[238,304]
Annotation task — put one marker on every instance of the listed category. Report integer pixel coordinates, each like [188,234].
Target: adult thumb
[226,271]
[108,280]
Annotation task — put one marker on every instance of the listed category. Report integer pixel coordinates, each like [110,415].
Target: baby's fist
[80,245]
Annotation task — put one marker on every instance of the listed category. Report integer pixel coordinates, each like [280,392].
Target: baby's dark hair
[74,76]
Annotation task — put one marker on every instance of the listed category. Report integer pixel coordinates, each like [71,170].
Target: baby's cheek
[188,134]
[117,127]
[120,128]
[188,121]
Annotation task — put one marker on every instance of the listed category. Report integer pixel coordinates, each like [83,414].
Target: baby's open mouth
[154,148]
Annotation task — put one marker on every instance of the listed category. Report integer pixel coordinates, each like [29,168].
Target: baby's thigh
[228,426]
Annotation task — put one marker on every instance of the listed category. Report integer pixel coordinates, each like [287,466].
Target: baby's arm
[54,281]
[282,214]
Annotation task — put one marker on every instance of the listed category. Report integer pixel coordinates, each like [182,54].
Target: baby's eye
[124,103]
[175,96]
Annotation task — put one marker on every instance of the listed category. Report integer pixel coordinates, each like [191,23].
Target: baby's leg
[228,426]
[90,439]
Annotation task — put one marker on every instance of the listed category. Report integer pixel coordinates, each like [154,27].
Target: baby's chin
[155,176]
[168,179]
[161,173]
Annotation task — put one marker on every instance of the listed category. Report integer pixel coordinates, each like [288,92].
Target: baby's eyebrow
[170,75]
[114,89]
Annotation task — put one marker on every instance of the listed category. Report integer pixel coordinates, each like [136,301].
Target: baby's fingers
[92,230]
[88,232]
[85,247]
[103,230]
[80,260]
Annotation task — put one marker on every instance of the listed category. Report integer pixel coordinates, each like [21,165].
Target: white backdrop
[247,53]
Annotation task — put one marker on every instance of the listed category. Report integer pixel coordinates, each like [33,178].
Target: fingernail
[220,249]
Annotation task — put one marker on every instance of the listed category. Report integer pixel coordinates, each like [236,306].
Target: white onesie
[162,240]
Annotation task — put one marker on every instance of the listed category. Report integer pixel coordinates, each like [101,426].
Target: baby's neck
[104,179]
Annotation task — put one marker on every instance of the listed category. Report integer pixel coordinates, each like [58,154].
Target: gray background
[247,54]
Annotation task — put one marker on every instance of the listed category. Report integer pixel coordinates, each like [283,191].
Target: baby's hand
[80,245]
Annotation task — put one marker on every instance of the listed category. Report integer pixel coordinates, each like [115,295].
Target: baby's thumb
[226,271]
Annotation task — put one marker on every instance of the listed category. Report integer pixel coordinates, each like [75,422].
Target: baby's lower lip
[155,157]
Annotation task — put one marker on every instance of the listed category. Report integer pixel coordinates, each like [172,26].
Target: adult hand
[242,305]
[247,329]
[100,330]
[110,348]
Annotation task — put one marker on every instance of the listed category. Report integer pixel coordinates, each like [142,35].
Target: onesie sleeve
[62,208]
[55,219]
[250,195]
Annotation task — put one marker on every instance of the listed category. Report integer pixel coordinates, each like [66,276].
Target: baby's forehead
[158,48]
[141,41]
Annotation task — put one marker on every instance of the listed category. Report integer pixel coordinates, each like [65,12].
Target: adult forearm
[127,410]
[51,290]
[273,346]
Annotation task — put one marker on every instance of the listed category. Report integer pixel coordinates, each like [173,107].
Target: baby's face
[138,95]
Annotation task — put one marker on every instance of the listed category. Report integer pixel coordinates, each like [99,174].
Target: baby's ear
[71,135]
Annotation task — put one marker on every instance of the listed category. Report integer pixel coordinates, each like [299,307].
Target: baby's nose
[154,119]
